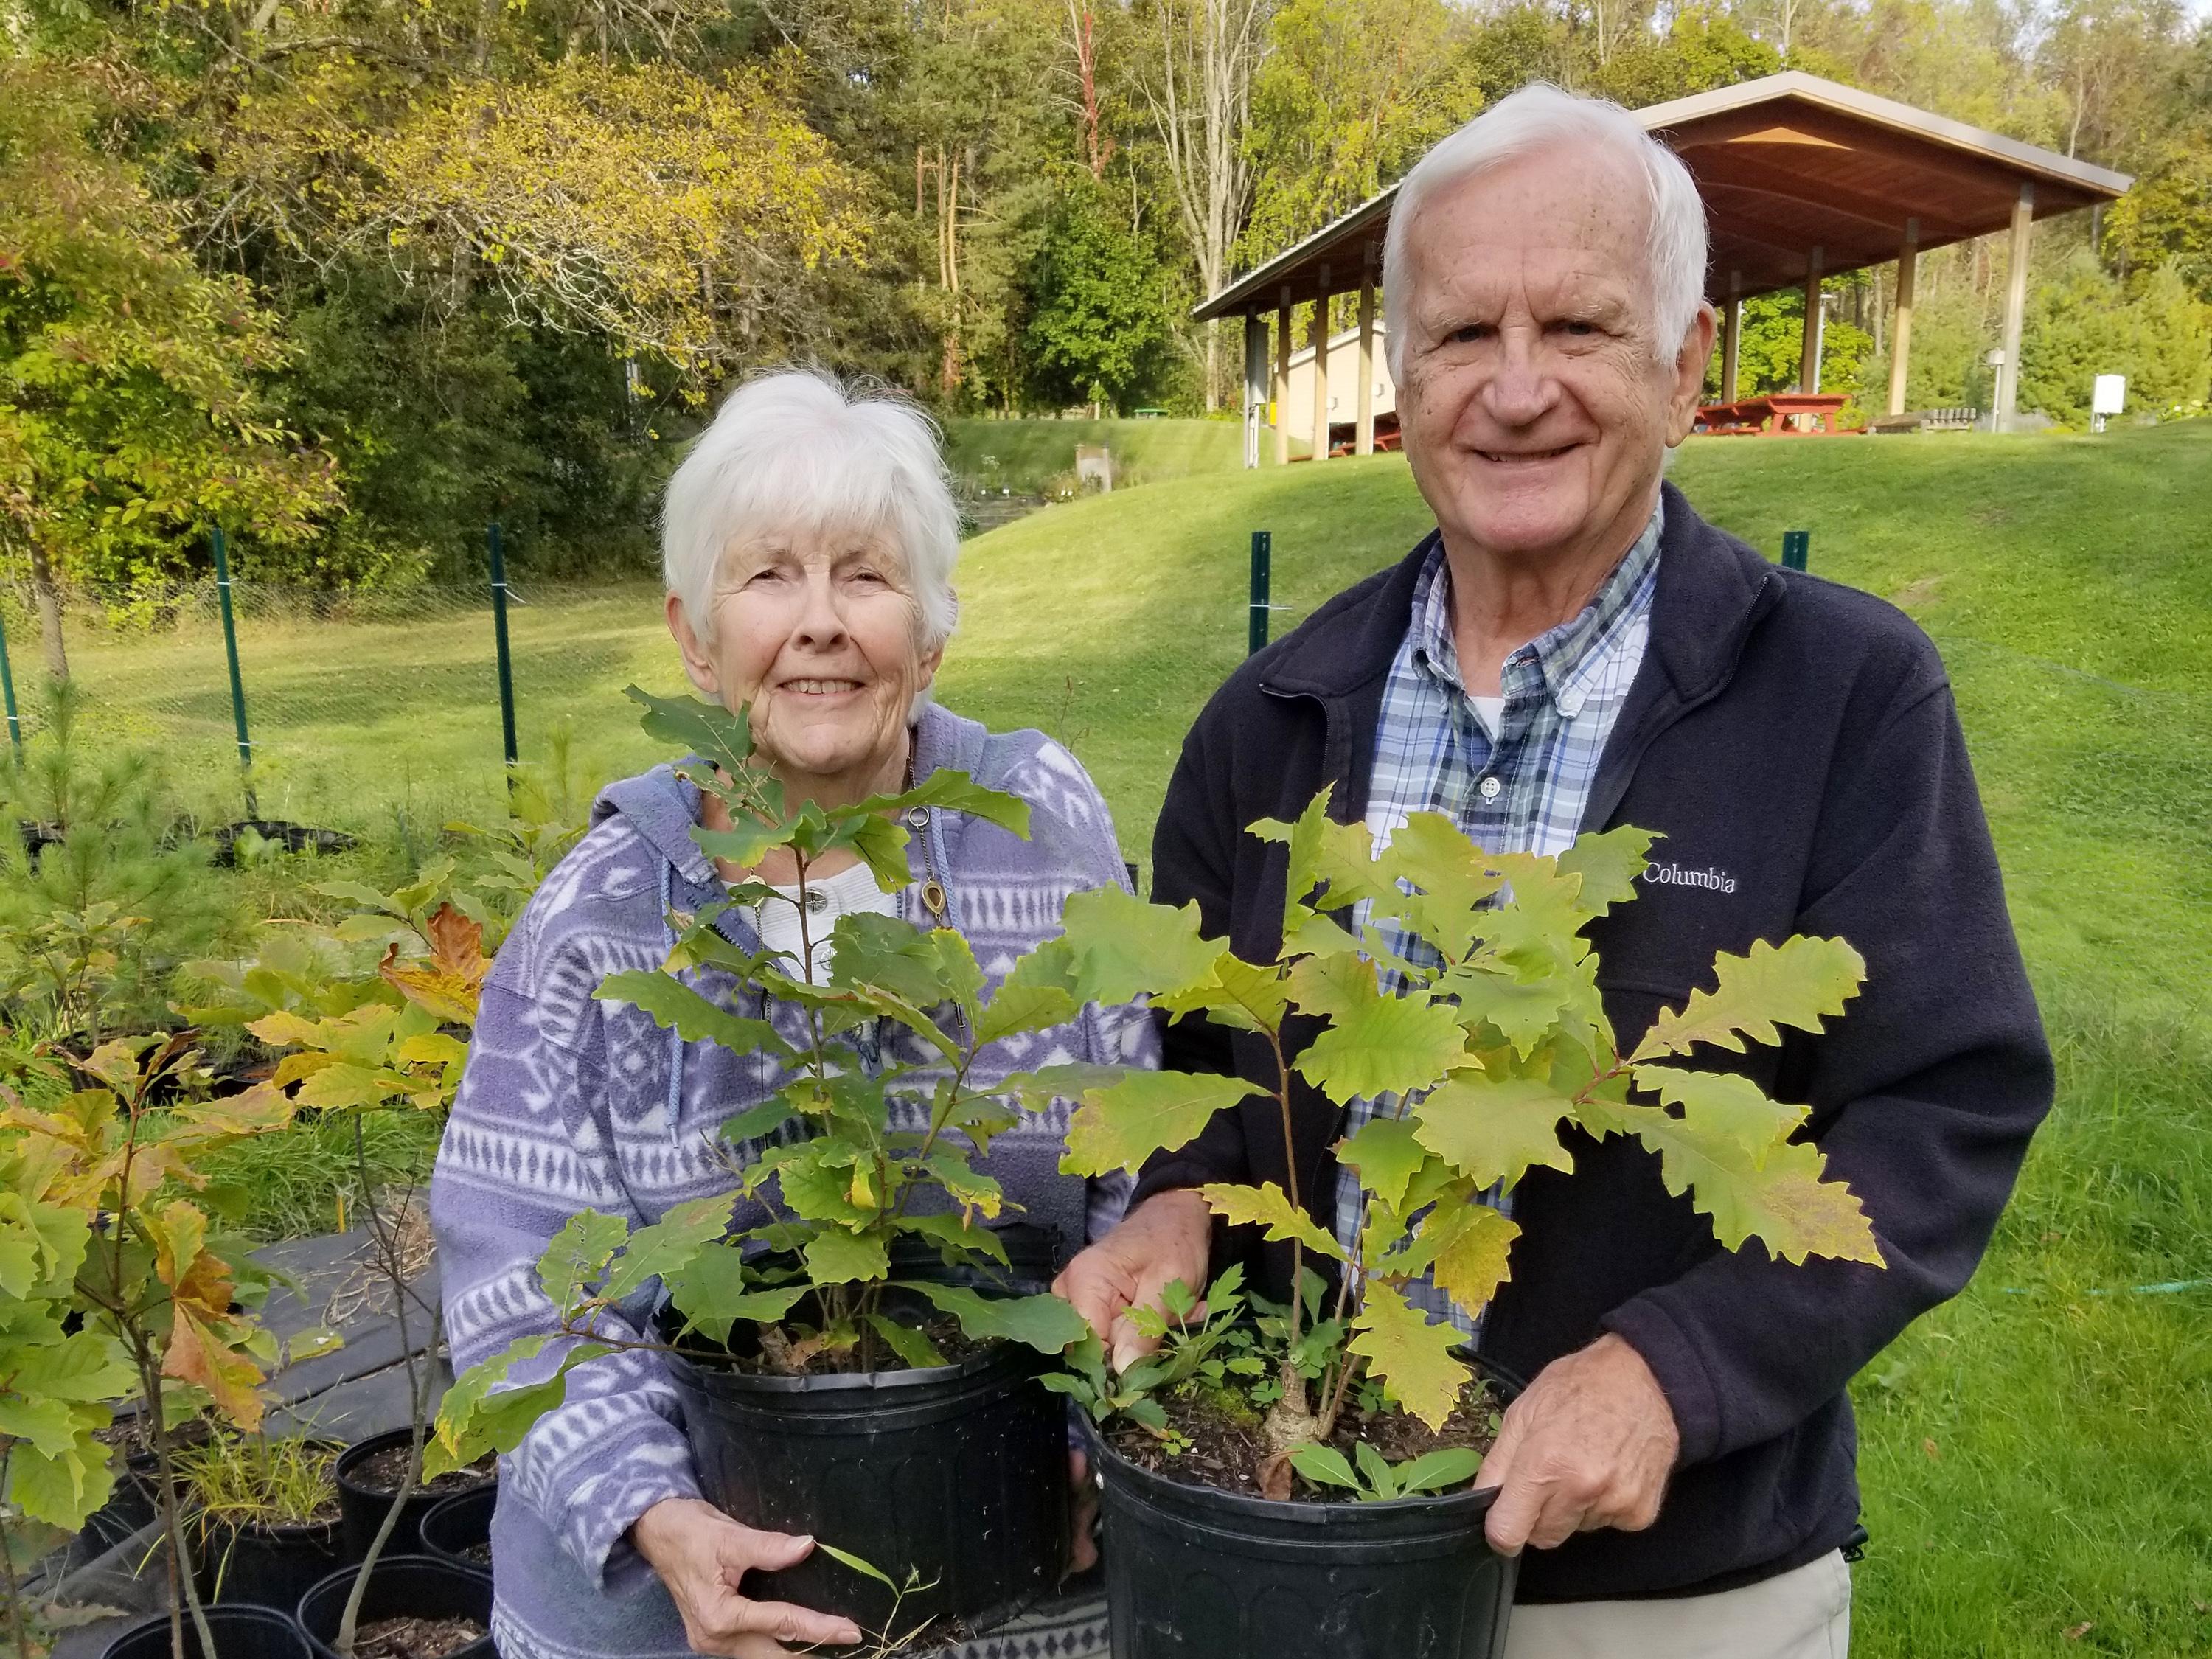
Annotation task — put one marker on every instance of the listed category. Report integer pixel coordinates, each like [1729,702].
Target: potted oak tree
[1307,1469]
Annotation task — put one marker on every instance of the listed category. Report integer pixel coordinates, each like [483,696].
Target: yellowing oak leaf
[1270,1207]
[1411,1357]
[1782,1200]
[1609,864]
[1121,1125]
[197,1354]
[1473,1257]
[1797,982]
[1493,1130]
[450,981]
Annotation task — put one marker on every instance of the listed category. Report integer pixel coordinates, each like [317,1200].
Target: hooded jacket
[1795,745]
[569,1104]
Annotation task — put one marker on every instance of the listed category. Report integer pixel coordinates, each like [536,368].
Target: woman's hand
[703,1556]
[1169,1237]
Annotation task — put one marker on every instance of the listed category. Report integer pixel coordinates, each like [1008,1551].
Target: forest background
[349,278]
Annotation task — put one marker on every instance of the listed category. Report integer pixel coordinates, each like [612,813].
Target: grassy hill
[1023,455]
[2033,1453]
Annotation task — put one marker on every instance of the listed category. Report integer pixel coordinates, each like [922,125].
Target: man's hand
[702,1555]
[1166,1237]
[1590,1444]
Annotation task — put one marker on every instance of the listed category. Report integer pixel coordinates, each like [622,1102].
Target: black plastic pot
[267,1567]
[240,1633]
[403,1586]
[959,1472]
[456,1525]
[362,1509]
[1195,1573]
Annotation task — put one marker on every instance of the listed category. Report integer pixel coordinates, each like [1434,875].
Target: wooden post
[1731,337]
[1900,327]
[1283,378]
[1255,383]
[2023,216]
[1808,349]
[1319,334]
[1363,441]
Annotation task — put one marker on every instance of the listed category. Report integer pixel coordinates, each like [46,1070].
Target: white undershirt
[849,892]
[1491,711]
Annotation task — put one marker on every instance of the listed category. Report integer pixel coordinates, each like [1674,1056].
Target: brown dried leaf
[1274,1476]
[449,982]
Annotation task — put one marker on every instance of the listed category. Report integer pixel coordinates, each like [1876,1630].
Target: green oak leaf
[835,1256]
[1120,948]
[1494,1129]
[666,1246]
[1798,982]
[577,1256]
[1121,1125]
[705,729]
[1270,1207]
[1387,1155]
[1725,1104]
[671,1004]
[1389,1045]
[1609,864]
[1044,1322]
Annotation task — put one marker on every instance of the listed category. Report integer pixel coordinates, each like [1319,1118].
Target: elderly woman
[809,541]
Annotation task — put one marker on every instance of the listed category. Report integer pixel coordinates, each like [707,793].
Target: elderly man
[1574,648]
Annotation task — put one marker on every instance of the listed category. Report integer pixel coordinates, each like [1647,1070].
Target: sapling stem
[387,1246]
[1294,1384]
[17,1626]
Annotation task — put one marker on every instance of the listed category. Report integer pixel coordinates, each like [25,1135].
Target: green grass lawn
[2035,1453]
[1023,456]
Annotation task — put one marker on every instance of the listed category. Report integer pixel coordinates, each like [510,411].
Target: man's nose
[1522,389]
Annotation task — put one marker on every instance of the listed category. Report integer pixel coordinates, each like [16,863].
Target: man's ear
[697,665]
[1690,375]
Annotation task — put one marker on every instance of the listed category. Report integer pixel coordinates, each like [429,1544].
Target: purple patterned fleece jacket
[569,1104]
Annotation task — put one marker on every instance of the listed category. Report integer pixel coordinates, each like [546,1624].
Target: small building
[1801,177]
[1343,384]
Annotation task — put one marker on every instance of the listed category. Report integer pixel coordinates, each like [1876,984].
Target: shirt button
[1572,704]
[1488,788]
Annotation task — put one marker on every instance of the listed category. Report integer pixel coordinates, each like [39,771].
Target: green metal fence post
[8,685]
[1262,548]
[1796,546]
[499,634]
[237,685]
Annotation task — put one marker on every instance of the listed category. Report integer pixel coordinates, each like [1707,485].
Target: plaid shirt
[1525,792]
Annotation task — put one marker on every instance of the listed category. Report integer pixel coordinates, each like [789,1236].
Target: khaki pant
[1804,1613]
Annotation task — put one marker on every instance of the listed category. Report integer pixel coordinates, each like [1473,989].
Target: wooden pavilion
[1802,178]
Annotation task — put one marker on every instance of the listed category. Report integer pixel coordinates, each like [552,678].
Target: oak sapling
[1490,1044]
[848,1145]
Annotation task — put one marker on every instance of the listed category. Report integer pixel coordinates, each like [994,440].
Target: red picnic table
[1775,415]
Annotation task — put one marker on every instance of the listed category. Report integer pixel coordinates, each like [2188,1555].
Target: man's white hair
[1538,115]
[800,451]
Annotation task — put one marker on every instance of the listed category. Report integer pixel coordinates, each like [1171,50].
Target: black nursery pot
[456,1525]
[1195,1573]
[959,1472]
[362,1509]
[265,1566]
[403,1586]
[240,1633]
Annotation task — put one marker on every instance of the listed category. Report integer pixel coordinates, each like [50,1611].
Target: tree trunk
[48,601]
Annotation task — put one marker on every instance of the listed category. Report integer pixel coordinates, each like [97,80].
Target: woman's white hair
[801,451]
[1537,115]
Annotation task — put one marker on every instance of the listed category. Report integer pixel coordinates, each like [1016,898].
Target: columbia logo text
[1674,875]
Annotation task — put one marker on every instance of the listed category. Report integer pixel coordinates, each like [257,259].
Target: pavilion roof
[1786,163]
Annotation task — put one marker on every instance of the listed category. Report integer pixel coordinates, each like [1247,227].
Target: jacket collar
[1710,587]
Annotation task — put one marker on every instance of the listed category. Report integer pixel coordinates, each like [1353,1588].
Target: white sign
[2110,396]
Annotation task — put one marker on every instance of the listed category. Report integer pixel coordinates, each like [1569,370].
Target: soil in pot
[458,1529]
[369,1474]
[240,1633]
[1198,1563]
[414,1607]
[1221,1443]
[956,1474]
